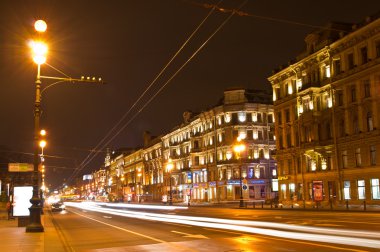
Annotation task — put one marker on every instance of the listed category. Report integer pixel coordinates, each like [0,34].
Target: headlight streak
[245,226]
[155,207]
[249,223]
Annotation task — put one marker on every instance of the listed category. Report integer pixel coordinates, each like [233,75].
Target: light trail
[122,205]
[335,235]
[331,231]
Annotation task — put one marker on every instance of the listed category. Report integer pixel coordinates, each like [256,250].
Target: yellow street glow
[42,143]
[39,51]
[40,26]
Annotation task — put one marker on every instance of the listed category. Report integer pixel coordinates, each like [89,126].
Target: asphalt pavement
[15,238]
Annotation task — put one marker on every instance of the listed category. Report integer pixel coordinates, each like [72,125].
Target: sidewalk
[14,238]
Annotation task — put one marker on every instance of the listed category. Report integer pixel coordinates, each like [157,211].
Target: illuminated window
[219,120]
[290,89]
[255,134]
[227,117]
[254,117]
[328,72]
[299,84]
[311,105]
[361,189]
[228,155]
[242,116]
[292,189]
[257,172]
[255,153]
[347,190]
[283,191]
[323,164]
[242,133]
[375,188]
[274,173]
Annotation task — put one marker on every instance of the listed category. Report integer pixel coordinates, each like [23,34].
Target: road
[111,228]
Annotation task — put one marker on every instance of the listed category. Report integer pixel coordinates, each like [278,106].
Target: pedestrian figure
[9,209]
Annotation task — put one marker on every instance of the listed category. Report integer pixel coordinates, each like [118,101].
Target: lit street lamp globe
[40,26]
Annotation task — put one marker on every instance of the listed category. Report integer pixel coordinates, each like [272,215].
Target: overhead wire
[91,156]
[161,88]
[273,19]
[172,77]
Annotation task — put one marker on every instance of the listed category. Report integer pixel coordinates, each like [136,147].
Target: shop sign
[283,177]
[233,182]
[189,177]
[318,190]
[256,181]
[20,167]
[220,183]
[212,183]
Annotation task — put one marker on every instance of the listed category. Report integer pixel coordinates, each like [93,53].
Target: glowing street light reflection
[326,235]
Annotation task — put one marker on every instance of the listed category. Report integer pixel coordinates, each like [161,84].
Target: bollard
[365,206]
[346,204]
[262,204]
[271,204]
[331,205]
[254,204]
[292,205]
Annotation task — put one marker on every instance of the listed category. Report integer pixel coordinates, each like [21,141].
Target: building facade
[196,160]
[326,106]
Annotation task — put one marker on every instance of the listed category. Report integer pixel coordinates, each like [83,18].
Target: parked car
[58,206]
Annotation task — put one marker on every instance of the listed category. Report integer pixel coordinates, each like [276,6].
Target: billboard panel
[20,167]
[21,200]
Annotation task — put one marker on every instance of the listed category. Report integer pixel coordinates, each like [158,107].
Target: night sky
[127,43]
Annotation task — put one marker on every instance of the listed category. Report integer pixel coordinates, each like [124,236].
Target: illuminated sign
[87,177]
[21,200]
[274,185]
[318,190]
[20,167]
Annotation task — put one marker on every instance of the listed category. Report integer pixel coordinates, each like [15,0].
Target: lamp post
[39,50]
[140,184]
[122,188]
[39,54]
[42,144]
[169,168]
[238,148]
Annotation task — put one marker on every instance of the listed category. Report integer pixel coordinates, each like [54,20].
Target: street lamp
[39,53]
[169,167]
[238,148]
[140,184]
[39,50]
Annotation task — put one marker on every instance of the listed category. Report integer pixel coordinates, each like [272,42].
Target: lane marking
[199,236]
[107,217]
[292,241]
[181,225]
[328,225]
[314,244]
[122,229]
[223,231]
